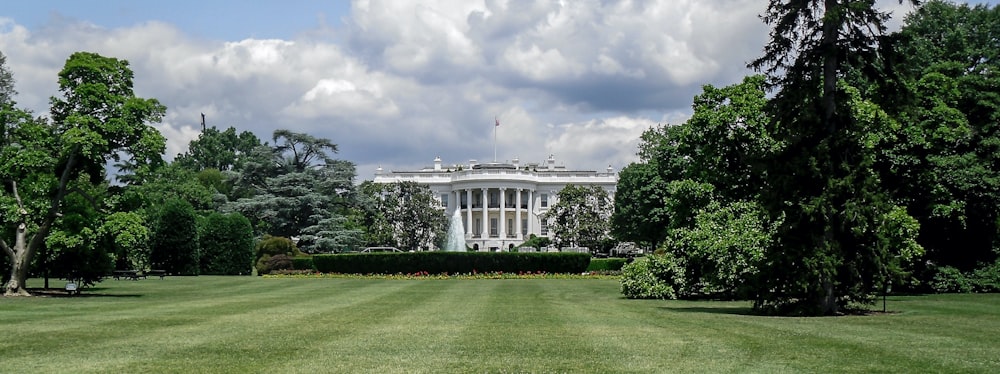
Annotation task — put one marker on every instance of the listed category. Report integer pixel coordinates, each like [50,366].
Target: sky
[397,83]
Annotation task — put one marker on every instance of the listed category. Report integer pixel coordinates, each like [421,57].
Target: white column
[517,215]
[503,223]
[458,205]
[531,212]
[468,214]
[486,214]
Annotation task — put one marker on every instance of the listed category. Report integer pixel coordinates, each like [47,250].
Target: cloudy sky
[398,83]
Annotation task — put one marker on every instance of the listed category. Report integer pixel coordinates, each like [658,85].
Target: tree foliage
[943,164]
[174,246]
[127,235]
[721,252]
[74,243]
[403,214]
[299,186]
[581,217]
[640,214]
[224,150]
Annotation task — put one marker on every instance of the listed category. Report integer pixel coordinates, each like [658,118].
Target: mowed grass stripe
[251,324]
[186,330]
[421,336]
[275,332]
[524,325]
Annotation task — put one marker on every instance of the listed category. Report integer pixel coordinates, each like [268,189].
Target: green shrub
[268,264]
[986,278]
[271,246]
[606,264]
[722,250]
[276,245]
[950,280]
[226,244]
[174,244]
[652,277]
[451,262]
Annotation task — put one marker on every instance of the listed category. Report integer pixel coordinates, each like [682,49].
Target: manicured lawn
[249,324]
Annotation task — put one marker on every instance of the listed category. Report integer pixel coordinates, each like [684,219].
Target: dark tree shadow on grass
[742,311]
[87,292]
[747,311]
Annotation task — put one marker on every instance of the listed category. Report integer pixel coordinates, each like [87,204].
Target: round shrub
[652,277]
[271,246]
[268,264]
[950,280]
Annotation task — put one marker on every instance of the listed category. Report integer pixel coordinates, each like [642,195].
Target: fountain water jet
[456,234]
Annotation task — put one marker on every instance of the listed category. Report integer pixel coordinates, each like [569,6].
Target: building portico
[501,203]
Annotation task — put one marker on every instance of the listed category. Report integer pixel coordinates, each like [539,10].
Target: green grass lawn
[249,324]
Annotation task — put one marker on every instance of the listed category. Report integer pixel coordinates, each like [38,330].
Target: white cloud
[614,139]
[343,98]
[539,65]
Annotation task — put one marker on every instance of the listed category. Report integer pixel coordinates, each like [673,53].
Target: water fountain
[456,234]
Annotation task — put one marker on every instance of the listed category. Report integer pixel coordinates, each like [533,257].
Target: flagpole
[496,124]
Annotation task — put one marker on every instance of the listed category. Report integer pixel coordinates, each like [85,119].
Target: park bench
[157,273]
[127,274]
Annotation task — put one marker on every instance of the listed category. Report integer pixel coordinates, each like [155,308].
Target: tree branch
[6,248]
[90,199]
[43,228]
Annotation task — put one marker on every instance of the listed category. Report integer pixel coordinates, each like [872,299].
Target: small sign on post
[71,287]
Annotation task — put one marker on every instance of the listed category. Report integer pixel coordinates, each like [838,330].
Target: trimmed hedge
[451,262]
[607,264]
[303,263]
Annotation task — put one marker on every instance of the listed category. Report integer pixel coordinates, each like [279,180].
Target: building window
[493,228]
[524,226]
[464,200]
[444,200]
[524,201]
[510,228]
[545,200]
[494,199]
[477,229]
[545,227]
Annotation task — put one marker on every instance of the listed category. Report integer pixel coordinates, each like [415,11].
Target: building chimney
[551,162]
[472,163]
[516,162]
[437,164]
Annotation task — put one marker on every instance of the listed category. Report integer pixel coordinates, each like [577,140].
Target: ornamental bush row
[451,262]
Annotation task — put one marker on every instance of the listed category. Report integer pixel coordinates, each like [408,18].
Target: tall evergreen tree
[823,182]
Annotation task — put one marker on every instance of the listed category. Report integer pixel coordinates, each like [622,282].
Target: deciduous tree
[404,214]
[581,217]
[97,119]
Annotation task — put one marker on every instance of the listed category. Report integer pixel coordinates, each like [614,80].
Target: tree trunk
[19,257]
[832,22]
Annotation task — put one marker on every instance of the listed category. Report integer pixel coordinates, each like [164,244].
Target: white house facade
[500,203]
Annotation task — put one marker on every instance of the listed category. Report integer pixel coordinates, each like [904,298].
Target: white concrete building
[500,203]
